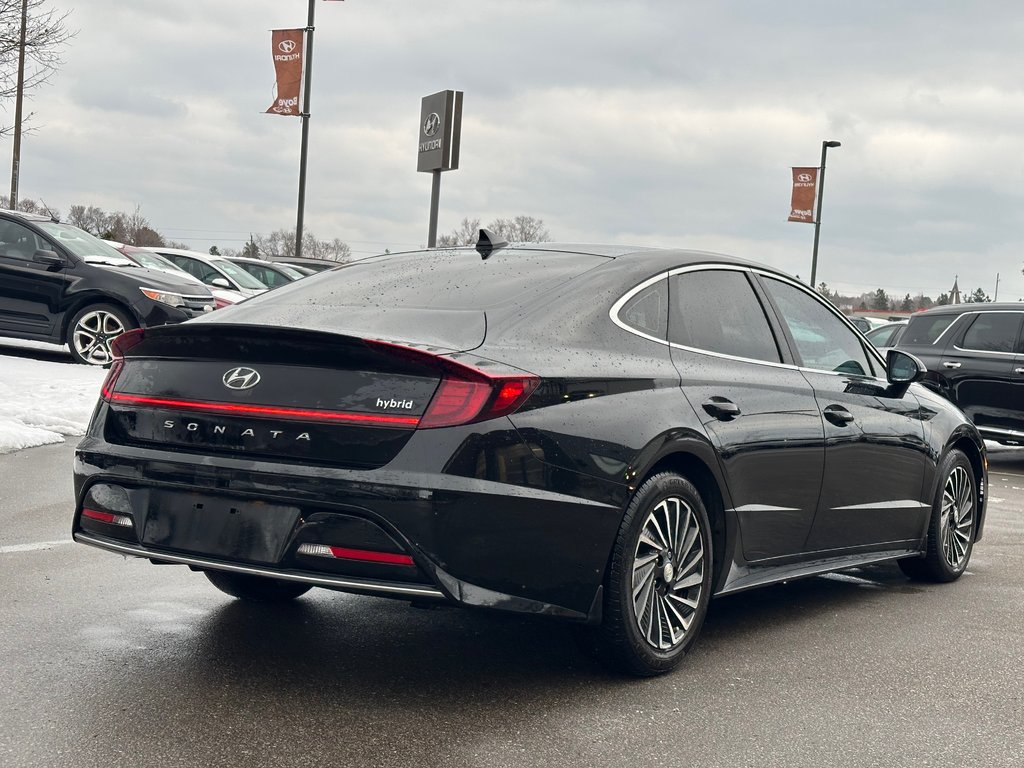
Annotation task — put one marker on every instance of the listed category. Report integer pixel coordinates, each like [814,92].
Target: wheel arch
[82,302]
[975,454]
[698,464]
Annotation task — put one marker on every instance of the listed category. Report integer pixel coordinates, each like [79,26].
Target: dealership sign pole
[290,54]
[809,183]
[440,136]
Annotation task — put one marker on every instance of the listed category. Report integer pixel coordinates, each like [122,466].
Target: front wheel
[659,580]
[951,530]
[257,589]
[93,328]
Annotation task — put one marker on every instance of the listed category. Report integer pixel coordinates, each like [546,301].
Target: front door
[30,293]
[875,453]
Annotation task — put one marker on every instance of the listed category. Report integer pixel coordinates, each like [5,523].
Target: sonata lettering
[221,429]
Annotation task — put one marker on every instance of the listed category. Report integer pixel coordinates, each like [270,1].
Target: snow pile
[42,401]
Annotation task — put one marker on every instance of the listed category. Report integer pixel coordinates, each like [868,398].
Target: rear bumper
[474,542]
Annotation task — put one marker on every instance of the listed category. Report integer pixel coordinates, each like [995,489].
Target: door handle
[721,408]
[837,415]
[951,365]
[1018,370]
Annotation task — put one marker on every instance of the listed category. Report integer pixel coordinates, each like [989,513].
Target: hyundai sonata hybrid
[610,436]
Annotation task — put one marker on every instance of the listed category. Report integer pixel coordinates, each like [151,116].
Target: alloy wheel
[668,573]
[92,336]
[956,520]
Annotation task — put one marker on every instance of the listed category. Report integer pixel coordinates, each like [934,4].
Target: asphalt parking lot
[116,662]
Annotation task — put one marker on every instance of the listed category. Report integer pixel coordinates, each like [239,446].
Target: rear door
[985,371]
[760,413]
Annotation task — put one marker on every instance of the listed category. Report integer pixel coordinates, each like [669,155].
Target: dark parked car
[315,265]
[974,354]
[605,435]
[60,284]
[269,273]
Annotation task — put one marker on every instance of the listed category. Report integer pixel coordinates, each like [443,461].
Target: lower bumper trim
[368,586]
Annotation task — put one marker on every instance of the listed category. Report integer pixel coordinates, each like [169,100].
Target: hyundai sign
[440,129]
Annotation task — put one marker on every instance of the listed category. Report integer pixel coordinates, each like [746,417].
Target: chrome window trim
[613,314]
[988,312]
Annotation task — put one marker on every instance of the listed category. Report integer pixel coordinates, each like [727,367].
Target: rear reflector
[344,553]
[107,517]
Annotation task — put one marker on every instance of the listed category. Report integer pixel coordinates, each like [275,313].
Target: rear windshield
[446,279]
[926,329]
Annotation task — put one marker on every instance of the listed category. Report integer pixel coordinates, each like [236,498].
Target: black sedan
[609,436]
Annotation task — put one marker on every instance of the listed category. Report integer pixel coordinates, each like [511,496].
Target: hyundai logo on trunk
[241,378]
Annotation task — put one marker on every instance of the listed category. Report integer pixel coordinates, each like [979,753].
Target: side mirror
[220,282]
[902,370]
[49,258]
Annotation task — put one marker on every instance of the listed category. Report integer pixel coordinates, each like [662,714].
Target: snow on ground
[42,401]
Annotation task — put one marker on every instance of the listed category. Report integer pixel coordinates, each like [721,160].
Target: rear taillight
[107,517]
[467,393]
[219,303]
[118,348]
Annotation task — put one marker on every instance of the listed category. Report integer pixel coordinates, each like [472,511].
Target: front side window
[718,311]
[993,332]
[18,242]
[822,340]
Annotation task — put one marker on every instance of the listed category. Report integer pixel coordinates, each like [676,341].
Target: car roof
[26,216]
[980,306]
[185,252]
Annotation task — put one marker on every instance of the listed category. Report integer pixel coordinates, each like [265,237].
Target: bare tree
[46,33]
[521,229]
[464,234]
[281,243]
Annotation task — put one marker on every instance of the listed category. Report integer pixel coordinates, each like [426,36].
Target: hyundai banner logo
[804,177]
[241,378]
[286,46]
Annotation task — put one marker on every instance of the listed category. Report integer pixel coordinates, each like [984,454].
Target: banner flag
[805,188]
[287,47]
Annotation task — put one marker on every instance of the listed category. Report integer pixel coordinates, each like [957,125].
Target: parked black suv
[60,284]
[975,357]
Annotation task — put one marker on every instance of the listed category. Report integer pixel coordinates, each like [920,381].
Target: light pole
[817,216]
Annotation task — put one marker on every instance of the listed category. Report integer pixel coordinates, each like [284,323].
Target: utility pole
[306,90]
[996,297]
[16,161]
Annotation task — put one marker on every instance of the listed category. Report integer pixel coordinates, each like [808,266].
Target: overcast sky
[665,122]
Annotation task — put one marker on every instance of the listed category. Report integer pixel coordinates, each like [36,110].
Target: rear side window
[718,311]
[647,312]
[993,332]
[926,329]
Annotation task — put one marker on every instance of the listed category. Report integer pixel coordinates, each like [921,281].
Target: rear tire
[951,529]
[659,580]
[257,589]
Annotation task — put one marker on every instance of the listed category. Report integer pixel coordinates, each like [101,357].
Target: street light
[817,216]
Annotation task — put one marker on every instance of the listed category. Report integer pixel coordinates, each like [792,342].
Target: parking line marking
[33,547]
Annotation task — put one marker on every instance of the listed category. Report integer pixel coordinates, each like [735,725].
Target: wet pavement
[115,662]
